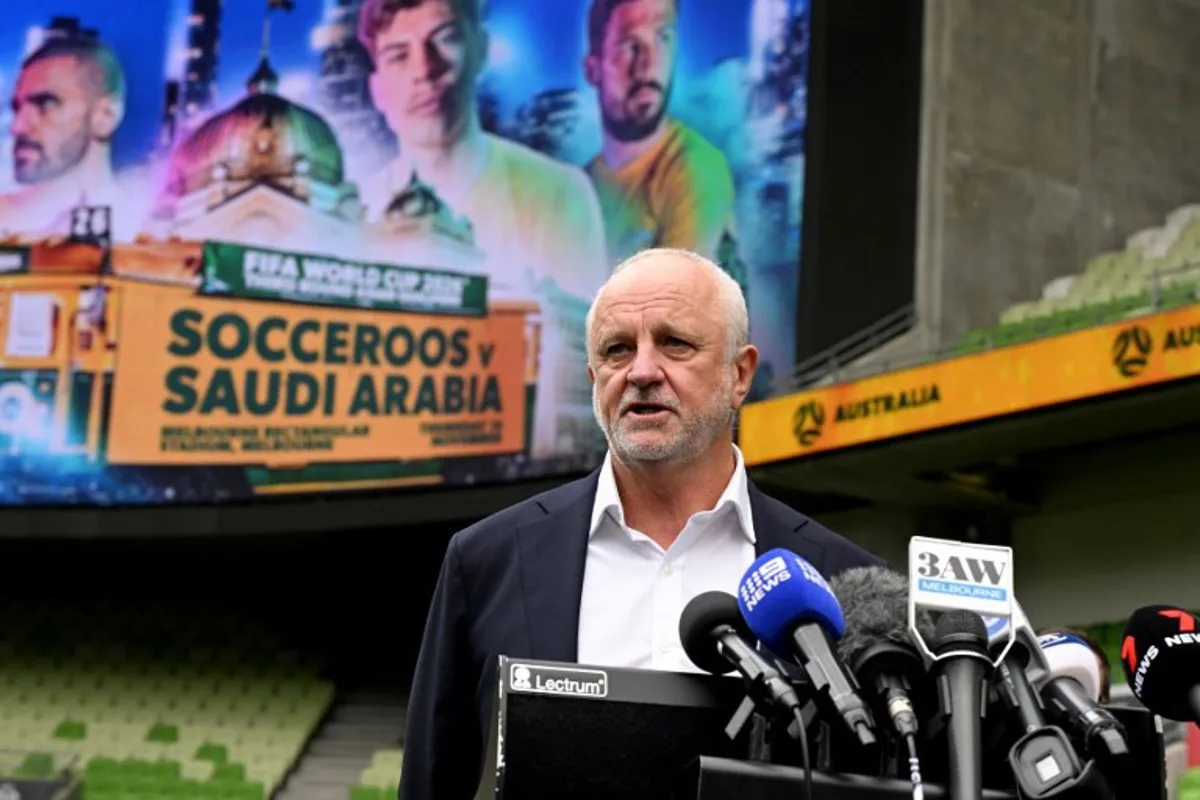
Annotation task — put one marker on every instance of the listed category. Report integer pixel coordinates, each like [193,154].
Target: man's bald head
[705,276]
[668,356]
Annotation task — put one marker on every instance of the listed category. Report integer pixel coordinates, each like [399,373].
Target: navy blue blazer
[510,585]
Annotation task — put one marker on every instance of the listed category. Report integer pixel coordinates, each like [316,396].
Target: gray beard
[696,435]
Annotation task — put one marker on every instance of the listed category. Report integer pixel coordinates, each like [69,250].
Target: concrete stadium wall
[1052,131]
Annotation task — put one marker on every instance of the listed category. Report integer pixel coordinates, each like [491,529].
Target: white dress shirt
[634,591]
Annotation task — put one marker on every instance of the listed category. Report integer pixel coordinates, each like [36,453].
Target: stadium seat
[164,715]
[379,779]
[1159,269]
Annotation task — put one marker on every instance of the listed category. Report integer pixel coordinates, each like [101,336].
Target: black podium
[568,730]
[601,733]
[709,778]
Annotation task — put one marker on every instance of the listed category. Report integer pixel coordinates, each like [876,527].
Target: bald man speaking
[598,571]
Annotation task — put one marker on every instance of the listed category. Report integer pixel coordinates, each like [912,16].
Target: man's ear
[746,364]
[591,69]
[106,116]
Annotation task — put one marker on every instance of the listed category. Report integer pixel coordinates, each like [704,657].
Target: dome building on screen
[270,172]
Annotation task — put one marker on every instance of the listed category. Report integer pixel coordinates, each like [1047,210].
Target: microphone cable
[802,735]
[914,766]
[914,760]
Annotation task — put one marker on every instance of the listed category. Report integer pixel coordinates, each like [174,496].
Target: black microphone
[1013,686]
[1160,654]
[877,645]
[715,637]
[1074,680]
[962,665]
[1100,732]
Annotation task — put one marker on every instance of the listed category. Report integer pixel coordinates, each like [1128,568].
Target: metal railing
[837,363]
[833,360]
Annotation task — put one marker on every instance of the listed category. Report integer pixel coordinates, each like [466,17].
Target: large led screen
[268,246]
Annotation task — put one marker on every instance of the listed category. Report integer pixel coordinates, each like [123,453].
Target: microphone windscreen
[1069,656]
[781,591]
[960,629]
[874,604]
[703,614]
[1160,653]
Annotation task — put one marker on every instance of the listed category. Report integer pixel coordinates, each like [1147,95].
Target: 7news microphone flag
[1161,658]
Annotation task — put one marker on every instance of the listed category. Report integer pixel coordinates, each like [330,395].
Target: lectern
[600,733]
[574,731]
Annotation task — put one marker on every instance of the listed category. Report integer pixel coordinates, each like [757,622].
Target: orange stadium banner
[1103,360]
[231,381]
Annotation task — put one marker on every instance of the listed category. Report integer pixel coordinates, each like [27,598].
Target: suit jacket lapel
[770,531]
[553,551]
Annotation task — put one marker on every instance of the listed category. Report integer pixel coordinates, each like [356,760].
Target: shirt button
[667,570]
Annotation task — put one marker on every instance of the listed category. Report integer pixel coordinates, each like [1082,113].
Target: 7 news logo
[1139,667]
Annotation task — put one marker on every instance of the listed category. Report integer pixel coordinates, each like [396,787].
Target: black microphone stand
[758,747]
[761,729]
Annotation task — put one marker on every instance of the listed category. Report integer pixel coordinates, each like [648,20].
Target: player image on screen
[462,173]
[67,102]
[532,217]
[660,183]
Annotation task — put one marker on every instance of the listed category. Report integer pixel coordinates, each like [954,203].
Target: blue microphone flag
[781,590]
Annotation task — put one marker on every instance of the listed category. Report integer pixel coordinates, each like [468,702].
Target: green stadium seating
[158,716]
[379,779]
[1159,269]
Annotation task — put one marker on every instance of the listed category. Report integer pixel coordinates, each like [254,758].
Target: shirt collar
[736,494]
